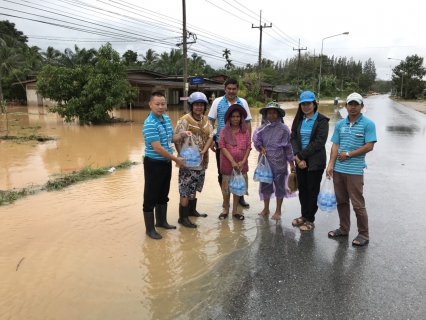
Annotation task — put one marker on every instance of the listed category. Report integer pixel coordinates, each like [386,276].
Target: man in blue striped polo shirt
[353,137]
[159,136]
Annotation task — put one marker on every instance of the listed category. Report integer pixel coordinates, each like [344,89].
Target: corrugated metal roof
[173,84]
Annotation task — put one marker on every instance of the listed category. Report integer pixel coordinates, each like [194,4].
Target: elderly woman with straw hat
[272,139]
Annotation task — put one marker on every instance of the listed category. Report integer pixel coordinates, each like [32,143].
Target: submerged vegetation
[87,173]
[65,180]
[10,196]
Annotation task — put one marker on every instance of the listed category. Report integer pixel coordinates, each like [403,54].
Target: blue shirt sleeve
[370,132]
[336,134]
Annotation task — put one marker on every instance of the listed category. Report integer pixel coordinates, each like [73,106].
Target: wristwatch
[347,155]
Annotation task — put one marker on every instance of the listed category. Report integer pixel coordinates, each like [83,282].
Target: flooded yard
[82,252]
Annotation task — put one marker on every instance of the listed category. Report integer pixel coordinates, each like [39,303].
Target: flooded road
[84,251]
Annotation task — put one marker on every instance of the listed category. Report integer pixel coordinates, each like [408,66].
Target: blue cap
[307,96]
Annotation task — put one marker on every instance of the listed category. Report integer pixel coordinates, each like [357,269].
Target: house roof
[24,82]
[282,88]
[160,75]
[174,84]
[180,77]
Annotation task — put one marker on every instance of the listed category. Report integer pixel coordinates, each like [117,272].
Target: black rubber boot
[183,217]
[149,225]
[243,202]
[161,217]
[193,209]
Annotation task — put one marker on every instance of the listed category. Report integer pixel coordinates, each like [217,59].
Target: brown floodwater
[82,252]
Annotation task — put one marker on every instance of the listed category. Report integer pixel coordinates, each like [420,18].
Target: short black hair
[157,94]
[231,81]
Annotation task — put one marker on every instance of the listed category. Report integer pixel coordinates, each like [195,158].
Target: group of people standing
[300,150]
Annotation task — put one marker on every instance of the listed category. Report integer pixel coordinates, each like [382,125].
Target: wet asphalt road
[286,274]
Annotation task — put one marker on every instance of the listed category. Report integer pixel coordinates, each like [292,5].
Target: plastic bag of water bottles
[263,172]
[327,198]
[190,153]
[237,184]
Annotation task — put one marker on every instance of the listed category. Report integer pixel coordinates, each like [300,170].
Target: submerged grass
[10,196]
[87,173]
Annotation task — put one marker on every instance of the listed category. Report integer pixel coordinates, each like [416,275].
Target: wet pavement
[286,274]
[86,255]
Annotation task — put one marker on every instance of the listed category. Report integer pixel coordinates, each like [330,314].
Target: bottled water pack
[327,201]
[192,157]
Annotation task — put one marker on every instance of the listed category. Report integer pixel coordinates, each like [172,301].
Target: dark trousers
[219,175]
[309,183]
[157,183]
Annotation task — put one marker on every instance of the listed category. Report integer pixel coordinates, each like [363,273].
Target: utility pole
[298,63]
[315,68]
[259,69]
[185,60]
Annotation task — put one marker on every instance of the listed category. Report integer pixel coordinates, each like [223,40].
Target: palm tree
[51,56]
[196,66]
[150,59]
[10,57]
[71,59]
[33,58]
[171,63]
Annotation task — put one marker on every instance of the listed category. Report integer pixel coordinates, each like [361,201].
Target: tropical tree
[171,63]
[150,59]
[130,58]
[196,65]
[10,59]
[8,28]
[87,92]
[409,74]
[226,54]
[51,56]
[71,58]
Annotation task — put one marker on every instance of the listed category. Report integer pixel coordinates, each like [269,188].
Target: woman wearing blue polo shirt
[309,134]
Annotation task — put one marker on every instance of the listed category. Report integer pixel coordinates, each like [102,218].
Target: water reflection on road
[86,254]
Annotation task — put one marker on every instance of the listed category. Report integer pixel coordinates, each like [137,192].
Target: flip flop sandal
[238,216]
[307,226]
[223,216]
[299,221]
[337,233]
[361,240]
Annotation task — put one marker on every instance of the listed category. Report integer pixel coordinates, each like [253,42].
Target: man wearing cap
[353,137]
[217,112]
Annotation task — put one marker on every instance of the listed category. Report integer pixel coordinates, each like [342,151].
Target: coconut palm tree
[196,66]
[51,56]
[150,59]
[171,63]
[10,57]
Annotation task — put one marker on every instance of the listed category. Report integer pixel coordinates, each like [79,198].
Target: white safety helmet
[197,97]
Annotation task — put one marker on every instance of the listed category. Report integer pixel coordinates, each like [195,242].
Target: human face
[272,115]
[354,109]
[308,108]
[198,109]
[158,106]
[235,118]
[231,92]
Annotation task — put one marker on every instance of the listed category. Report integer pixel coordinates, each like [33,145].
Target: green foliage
[409,73]
[10,196]
[86,92]
[130,59]
[8,28]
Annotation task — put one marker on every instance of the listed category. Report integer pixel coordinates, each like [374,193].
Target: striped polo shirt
[306,129]
[351,137]
[155,129]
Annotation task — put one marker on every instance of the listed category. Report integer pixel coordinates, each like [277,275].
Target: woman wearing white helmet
[191,180]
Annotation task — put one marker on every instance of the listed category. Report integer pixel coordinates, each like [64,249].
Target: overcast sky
[377,28]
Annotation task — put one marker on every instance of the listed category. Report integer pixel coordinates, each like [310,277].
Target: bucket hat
[234,107]
[272,105]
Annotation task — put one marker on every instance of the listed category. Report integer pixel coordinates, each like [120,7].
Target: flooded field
[82,252]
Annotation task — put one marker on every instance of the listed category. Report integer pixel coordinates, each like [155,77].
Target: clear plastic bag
[327,198]
[190,153]
[263,172]
[237,184]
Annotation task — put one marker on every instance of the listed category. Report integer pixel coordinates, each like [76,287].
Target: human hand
[235,165]
[302,164]
[202,153]
[329,172]
[262,150]
[292,167]
[213,147]
[241,165]
[341,156]
[179,162]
